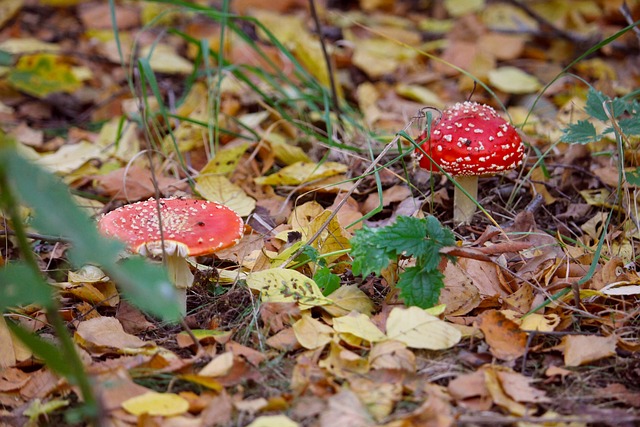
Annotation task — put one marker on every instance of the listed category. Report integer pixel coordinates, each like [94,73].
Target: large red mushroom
[468,141]
[190,227]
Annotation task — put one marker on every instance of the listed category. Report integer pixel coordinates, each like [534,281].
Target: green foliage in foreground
[419,238]
[22,283]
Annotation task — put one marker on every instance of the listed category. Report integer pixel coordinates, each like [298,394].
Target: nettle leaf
[581,132]
[326,280]
[420,286]
[597,102]
[369,256]
[633,177]
[406,236]
[630,126]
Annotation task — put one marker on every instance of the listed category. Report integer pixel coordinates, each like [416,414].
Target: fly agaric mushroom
[189,228]
[470,140]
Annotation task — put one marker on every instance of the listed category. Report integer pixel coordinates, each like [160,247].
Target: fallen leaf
[311,333]
[42,74]
[392,354]
[582,349]
[218,188]
[378,397]
[284,285]
[219,366]
[301,172]
[348,298]
[156,404]
[506,340]
[417,329]
[513,80]
[163,58]
[273,421]
[345,409]
[106,335]
[359,325]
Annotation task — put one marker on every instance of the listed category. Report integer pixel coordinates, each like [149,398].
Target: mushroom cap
[471,139]
[190,227]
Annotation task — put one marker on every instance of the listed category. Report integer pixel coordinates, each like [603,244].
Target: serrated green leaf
[597,102]
[581,132]
[368,256]
[408,235]
[633,177]
[420,287]
[630,126]
[20,285]
[326,280]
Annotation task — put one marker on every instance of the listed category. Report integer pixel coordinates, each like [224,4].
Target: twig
[325,54]
[37,236]
[626,12]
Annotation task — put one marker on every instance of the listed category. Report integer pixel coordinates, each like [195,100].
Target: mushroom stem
[181,276]
[463,206]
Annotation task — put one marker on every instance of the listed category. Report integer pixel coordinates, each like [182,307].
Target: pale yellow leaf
[540,322]
[417,329]
[360,325]
[218,188]
[70,157]
[219,366]
[457,8]
[165,59]
[119,140]
[420,94]
[273,421]
[284,285]
[301,172]
[88,274]
[284,152]
[377,57]
[8,8]
[28,45]
[311,333]
[346,299]
[513,80]
[156,404]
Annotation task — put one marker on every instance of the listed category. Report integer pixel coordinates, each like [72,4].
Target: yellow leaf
[218,188]
[88,274]
[164,59]
[42,74]
[582,349]
[120,142]
[417,329]
[284,152]
[156,404]
[301,172]
[342,362]
[463,7]
[332,238]
[346,299]
[378,57]
[70,157]
[420,94]
[283,285]
[225,160]
[8,8]
[540,322]
[273,421]
[513,80]
[311,333]
[359,325]
[28,45]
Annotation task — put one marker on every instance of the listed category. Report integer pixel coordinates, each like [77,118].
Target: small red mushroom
[470,140]
[190,227]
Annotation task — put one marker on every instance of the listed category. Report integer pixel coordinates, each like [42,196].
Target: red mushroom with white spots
[470,140]
[189,228]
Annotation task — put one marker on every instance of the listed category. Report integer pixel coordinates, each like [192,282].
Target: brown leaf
[136,183]
[506,340]
[132,319]
[254,357]
[106,335]
[218,412]
[519,388]
[278,315]
[582,349]
[345,409]
[621,393]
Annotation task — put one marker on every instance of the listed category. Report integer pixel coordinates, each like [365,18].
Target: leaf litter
[532,321]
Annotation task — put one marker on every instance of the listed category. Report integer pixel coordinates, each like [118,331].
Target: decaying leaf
[284,285]
[152,403]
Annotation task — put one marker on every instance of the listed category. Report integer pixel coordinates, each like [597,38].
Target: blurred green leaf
[326,280]
[56,214]
[42,74]
[20,285]
[44,350]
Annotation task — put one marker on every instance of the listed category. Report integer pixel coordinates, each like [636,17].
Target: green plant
[418,238]
[21,282]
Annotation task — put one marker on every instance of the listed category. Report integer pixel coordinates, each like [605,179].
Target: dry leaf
[284,285]
[106,335]
[218,188]
[506,340]
[152,403]
[345,409]
[582,349]
[348,298]
[417,329]
[311,333]
[359,325]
